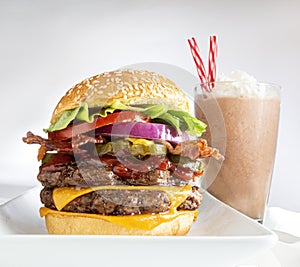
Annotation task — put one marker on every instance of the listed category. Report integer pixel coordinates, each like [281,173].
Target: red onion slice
[144,130]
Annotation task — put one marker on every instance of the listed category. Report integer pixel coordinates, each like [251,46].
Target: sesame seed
[106,74]
[130,87]
[90,86]
[130,94]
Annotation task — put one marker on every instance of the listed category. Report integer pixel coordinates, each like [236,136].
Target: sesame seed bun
[131,87]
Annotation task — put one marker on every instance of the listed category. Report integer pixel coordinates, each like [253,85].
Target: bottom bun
[70,223]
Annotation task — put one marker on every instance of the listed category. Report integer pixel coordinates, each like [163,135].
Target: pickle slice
[137,147]
[185,162]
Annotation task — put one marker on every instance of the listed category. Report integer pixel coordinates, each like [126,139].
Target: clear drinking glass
[247,135]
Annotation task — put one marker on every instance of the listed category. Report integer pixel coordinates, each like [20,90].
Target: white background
[48,46]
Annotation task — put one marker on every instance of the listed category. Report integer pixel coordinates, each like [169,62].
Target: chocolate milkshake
[250,112]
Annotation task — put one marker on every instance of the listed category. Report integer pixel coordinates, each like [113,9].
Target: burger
[121,157]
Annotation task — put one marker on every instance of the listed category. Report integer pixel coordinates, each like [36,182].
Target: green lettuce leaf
[159,113]
[80,113]
[190,124]
[63,121]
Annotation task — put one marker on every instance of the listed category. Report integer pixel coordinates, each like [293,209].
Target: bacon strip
[66,147]
[193,149]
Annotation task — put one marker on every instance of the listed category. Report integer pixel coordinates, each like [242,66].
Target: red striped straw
[204,77]
[198,61]
[213,51]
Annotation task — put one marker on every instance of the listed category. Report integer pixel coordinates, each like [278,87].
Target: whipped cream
[240,84]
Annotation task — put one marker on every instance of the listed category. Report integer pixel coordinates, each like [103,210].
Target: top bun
[126,85]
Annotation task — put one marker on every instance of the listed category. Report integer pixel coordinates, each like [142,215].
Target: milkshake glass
[250,113]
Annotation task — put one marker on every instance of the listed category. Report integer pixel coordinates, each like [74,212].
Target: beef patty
[97,174]
[123,202]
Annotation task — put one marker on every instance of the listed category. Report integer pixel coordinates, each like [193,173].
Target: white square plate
[220,237]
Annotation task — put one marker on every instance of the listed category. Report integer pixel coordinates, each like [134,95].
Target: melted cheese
[63,196]
[144,221]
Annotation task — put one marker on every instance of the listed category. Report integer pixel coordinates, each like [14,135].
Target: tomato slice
[73,130]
